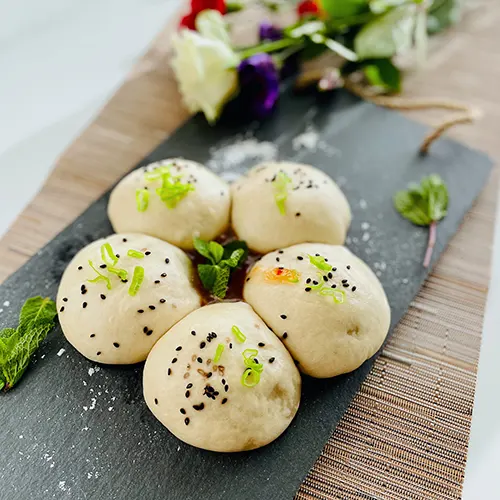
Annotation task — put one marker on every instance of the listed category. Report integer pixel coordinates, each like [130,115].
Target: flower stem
[430,245]
[268,47]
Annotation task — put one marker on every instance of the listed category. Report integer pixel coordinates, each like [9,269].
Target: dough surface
[210,408]
[315,208]
[111,326]
[327,331]
[203,212]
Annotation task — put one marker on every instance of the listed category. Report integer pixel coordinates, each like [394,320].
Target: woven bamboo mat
[406,433]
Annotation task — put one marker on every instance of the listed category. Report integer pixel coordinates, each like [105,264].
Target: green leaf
[230,247]
[381,6]
[36,319]
[208,275]
[235,258]
[424,203]
[383,73]
[344,8]
[221,282]
[386,35]
[216,250]
[442,14]
[335,46]
[201,246]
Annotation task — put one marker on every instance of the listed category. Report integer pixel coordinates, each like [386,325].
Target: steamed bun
[331,316]
[202,211]
[314,207]
[111,325]
[203,401]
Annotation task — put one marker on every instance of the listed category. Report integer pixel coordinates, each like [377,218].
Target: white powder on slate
[362,204]
[307,140]
[365,226]
[6,303]
[61,352]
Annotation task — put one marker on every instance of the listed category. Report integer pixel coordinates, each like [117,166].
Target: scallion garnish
[107,255]
[337,295]
[135,254]
[280,188]
[319,262]
[251,375]
[100,276]
[137,280]
[240,337]
[142,199]
[250,378]
[218,353]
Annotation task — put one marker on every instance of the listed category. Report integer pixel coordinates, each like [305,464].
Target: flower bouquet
[370,39]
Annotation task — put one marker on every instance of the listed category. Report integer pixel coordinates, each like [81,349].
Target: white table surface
[64,59]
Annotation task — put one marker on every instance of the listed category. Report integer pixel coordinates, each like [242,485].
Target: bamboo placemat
[406,433]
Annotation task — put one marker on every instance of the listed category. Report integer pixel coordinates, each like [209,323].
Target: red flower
[307,8]
[188,21]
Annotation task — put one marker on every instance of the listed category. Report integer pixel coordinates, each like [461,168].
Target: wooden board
[441,333]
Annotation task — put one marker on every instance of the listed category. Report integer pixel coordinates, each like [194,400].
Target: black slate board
[67,433]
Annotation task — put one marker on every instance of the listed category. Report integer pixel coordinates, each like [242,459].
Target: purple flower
[269,32]
[259,84]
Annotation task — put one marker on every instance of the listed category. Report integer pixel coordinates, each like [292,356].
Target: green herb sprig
[424,204]
[222,260]
[36,319]
[280,189]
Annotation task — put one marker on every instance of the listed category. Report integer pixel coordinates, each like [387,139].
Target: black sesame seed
[189,386]
[92,335]
[199,360]
[147,253]
[193,332]
[145,329]
[157,281]
[162,301]
[345,285]
[62,309]
[163,275]
[315,282]
[65,299]
[248,279]
[169,372]
[325,278]
[103,266]
[152,308]
[223,381]
[326,260]
[187,394]
[98,353]
[281,268]
[283,316]
[124,240]
[307,289]
[334,286]
[317,254]
[80,268]
[226,388]
[256,361]
[84,305]
[297,214]
[209,374]
[285,335]
[149,332]
[300,257]
[183,411]
[216,393]
[103,297]
[334,268]
[202,345]
[344,281]
[261,344]
[280,251]
[353,288]
[271,360]
[140,311]
[167,260]
[84,291]
[116,344]
[186,421]
[330,275]
[199,407]
[277,259]
[348,267]
[178,348]
[82,287]
[117,255]
[124,281]
[156,401]
[174,360]
[230,345]
[308,280]
[224,401]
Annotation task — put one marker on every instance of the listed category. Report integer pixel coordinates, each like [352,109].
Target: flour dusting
[307,140]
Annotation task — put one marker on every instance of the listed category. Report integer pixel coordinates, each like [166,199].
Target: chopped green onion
[319,262]
[121,273]
[240,337]
[157,173]
[250,353]
[218,353]
[107,255]
[142,199]
[172,193]
[280,188]
[135,254]
[250,378]
[337,295]
[137,280]
[100,276]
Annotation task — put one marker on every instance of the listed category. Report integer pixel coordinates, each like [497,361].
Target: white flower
[205,67]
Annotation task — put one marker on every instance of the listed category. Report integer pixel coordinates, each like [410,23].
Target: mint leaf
[382,73]
[424,204]
[221,282]
[36,319]
[208,275]
[344,8]
[443,14]
[235,258]
[201,246]
[230,247]
[217,251]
